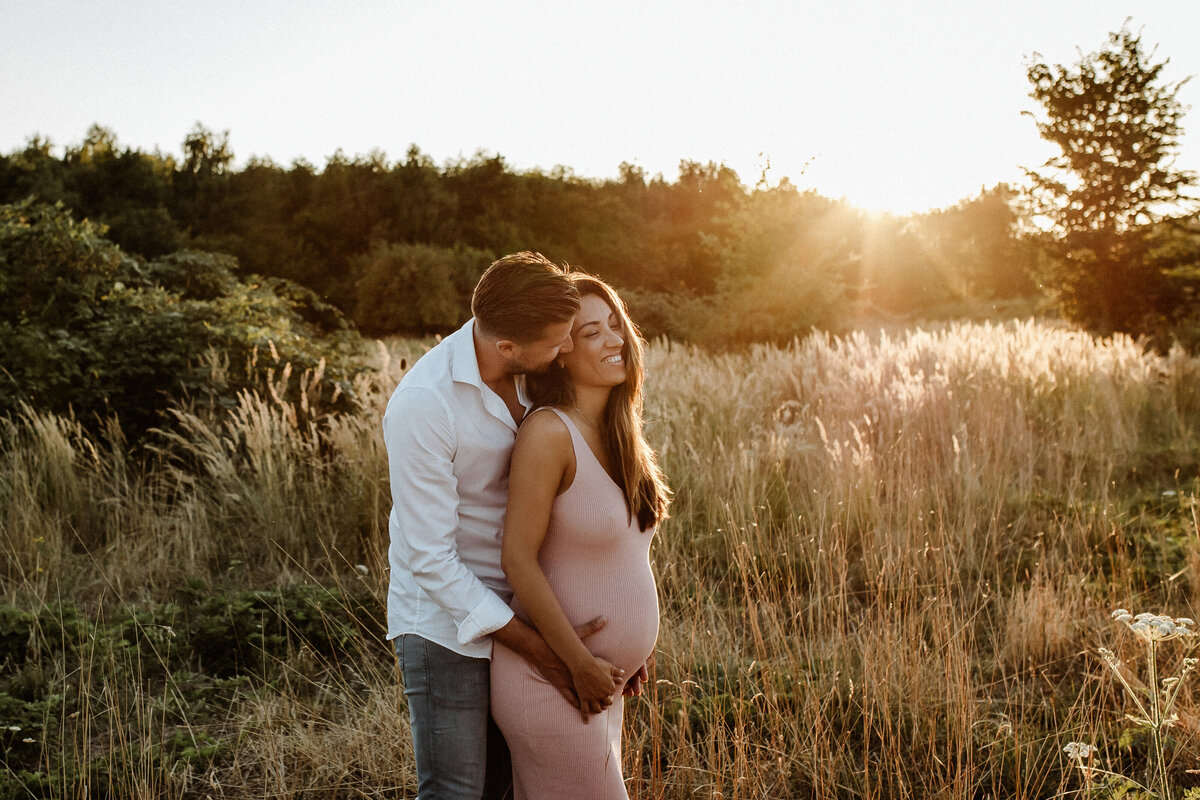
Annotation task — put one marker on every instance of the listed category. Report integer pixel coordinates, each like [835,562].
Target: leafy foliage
[390,243]
[975,241]
[1117,125]
[416,287]
[84,327]
[196,659]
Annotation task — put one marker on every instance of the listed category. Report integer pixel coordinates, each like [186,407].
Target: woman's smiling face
[597,357]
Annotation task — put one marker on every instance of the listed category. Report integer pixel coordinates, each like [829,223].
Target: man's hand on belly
[633,686]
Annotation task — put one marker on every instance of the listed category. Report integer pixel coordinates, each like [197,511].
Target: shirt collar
[464,368]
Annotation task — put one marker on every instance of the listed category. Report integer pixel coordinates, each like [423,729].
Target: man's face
[538,355]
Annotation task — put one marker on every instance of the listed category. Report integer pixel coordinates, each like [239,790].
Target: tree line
[397,245]
[127,274]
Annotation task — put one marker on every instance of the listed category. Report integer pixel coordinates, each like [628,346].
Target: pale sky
[899,104]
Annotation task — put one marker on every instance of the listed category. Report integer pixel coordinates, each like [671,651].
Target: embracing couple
[521,605]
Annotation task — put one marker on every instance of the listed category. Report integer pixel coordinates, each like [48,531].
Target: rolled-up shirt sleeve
[421,446]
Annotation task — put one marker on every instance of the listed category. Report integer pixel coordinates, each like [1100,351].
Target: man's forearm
[527,643]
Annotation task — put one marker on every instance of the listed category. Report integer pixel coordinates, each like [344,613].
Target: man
[449,430]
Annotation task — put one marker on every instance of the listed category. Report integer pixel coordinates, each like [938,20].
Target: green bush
[86,329]
[416,288]
[16,626]
[245,632]
[775,310]
[191,661]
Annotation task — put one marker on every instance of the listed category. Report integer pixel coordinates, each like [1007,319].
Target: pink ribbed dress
[598,563]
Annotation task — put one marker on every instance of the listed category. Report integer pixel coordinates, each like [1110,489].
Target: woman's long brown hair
[647,495]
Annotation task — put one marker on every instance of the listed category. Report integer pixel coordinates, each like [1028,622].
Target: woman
[585,494]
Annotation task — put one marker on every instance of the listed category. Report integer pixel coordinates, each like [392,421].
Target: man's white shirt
[449,438]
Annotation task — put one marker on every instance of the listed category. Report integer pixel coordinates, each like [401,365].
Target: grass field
[891,561]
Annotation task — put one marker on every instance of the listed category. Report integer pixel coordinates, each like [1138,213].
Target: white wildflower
[14,728]
[1156,628]
[362,569]
[1166,627]
[1079,750]
[1151,629]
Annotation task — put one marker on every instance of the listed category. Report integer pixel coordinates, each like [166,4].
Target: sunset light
[895,106]
[543,400]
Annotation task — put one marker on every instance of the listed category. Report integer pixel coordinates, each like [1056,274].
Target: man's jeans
[460,752]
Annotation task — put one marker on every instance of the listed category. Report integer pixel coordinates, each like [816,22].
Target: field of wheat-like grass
[890,562]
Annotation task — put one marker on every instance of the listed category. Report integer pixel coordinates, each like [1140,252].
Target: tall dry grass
[890,560]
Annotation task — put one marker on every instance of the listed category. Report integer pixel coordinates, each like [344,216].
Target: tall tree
[202,183]
[1117,125]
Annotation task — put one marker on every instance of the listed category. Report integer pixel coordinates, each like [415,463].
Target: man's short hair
[520,294]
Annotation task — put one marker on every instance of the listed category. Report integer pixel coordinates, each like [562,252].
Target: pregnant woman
[585,494]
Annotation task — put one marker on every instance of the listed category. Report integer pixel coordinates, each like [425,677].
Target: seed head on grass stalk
[1156,702]
[1081,753]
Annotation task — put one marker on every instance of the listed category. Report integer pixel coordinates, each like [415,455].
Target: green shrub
[245,632]
[16,626]
[86,329]
[415,288]
[171,670]
[776,310]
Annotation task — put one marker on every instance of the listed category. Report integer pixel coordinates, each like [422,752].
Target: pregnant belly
[631,607]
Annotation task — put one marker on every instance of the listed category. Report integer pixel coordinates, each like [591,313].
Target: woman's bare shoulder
[544,428]
[544,451]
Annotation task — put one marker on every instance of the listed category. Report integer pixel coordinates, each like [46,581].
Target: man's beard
[525,369]
[520,368]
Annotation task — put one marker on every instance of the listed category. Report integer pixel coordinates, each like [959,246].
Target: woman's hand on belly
[596,681]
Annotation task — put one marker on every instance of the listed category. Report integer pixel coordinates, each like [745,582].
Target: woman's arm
[542,459]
